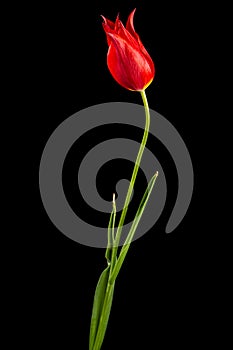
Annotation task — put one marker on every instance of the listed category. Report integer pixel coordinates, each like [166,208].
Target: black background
[162,294]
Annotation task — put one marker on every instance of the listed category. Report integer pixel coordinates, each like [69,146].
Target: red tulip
[128,61]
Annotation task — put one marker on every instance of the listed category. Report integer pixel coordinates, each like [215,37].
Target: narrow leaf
[133,228]
[108,252]
[114,218]
[104,317]
[98,305]
[111,228]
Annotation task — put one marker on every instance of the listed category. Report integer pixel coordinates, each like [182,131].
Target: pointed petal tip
[133,12]
[104,19]
[130,25]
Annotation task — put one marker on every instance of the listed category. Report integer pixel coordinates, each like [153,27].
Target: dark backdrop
[160,297]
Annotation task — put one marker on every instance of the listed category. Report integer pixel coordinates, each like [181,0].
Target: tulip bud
[127,59]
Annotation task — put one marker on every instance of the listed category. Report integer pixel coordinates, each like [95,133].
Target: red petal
[124,33]
[109,23]
[108,28]
[131,30]
[129,67]
[118,28]
[130,25]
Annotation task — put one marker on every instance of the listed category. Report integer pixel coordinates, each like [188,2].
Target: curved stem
[113,255]
[134,175]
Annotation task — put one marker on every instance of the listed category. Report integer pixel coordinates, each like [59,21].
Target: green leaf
[98,305]
[111,227]
[133,228]
[104,317]
[108,252]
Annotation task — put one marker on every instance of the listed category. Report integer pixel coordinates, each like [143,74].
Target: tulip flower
[132,67]
[128,61]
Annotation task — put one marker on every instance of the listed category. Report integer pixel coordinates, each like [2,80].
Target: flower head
[127,59]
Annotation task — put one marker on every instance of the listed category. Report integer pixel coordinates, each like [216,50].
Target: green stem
[112,253]
[134,175]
